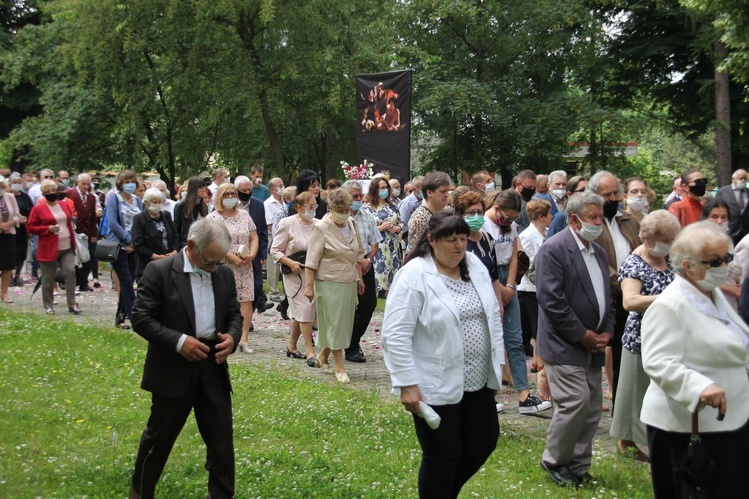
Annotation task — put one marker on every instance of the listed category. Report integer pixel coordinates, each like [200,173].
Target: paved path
[269,342]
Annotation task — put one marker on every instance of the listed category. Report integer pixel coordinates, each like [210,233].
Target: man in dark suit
[256,209]
[89,211]
[575,324]
[736,197]
[187,309]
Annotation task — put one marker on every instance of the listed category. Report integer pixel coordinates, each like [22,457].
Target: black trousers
[257,281]
[367,302]
[454,452]
[81,273]
[727,450]
[620,320]
[528,315]
[209,396]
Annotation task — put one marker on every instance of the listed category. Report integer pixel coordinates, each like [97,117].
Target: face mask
[60,196]
[396,193]
[201,272]
[230,202]
[723,227]
[129,187]
[475,222]
[308,214]
[258,181]
[28,185]
[15,187]
[637,203]
[610,208]
[527,193]
[589,232]
[279,189]
[339,218]
[243,196]
[383,193]
[713,278]
[489,187]
[661,249]
[355,205]
[288,204]
[558,193]
[96,186]
[2,192]
[154,208]
[51,198]
[503,221]
[739,185]
[65,181]
[417,194]
[698,190]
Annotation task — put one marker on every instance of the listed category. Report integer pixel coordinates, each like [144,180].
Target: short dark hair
[305,179]
[711,205]
[687,173]
[257,169]
[433,181]
[441,225]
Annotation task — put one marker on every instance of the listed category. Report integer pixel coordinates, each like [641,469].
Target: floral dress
[388,259]
[240,227]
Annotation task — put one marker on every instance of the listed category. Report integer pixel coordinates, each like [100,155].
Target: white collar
[580,244]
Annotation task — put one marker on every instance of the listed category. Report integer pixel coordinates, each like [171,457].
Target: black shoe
[561,475]
[586,478]
[356,357]
[263,307]
[85,288]
[296,355]
[252,326]
[75,310]
[283,310]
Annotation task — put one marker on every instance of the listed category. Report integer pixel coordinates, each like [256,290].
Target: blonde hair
[218,199]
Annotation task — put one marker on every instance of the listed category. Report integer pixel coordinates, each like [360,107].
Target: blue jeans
[513,336]
[124,267]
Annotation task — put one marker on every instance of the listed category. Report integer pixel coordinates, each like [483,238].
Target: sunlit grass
[71,413]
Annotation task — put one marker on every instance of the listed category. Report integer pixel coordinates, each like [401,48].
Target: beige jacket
[333,256]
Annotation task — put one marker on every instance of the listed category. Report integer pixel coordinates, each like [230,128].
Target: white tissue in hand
[432,418]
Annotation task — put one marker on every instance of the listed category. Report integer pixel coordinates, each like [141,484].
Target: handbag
[107,251]
[82,255]
[299,257]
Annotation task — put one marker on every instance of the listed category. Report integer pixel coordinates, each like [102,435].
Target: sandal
[542,386]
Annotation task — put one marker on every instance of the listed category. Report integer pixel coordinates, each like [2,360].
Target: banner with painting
[383,122]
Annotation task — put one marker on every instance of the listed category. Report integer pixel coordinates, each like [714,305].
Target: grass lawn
[71,413]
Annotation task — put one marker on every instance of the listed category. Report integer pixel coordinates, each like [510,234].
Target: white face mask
[558,193]
[637,203]
[396,193]
[154,208]
[489,187]
[723,227]
[308,214]
[660,249]
[739,185]
[714,277]
[230,202]
[15,187]
[589,232]
[258,181]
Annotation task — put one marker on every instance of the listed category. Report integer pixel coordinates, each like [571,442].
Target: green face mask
[475,222]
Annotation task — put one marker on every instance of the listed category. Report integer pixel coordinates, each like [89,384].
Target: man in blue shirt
[259,191]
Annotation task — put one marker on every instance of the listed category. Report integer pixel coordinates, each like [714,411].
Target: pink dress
[240,226]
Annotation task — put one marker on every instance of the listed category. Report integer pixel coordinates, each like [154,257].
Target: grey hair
[659,224]
[557,173]
[691,242]
[204,231]
[272,182]
[15,176]
[352,184]
[241,180]
[158,183]
[4,182]
[340,200]
[47,170]
[153,195]
[577,203]
[417,180]
[595,181]
[289,192]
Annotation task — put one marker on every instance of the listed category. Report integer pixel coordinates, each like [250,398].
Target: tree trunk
[722,118]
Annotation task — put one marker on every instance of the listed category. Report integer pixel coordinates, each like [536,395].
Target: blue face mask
[129,187]
[417,194]
[383,193]
[288,205]
[355,205]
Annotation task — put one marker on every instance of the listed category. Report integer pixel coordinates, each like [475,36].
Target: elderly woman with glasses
[244,247]
[154,234]
[695,350]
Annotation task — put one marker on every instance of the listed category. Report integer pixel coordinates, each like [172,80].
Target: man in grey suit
[575,324]
[736,197]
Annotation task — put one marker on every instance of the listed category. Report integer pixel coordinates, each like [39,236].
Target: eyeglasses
[310,206]
[356,196]
[472,213]
[47,177]
[717,262]
[202,260]
[231,194]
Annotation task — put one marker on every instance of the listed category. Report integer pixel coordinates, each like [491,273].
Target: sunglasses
[717,262]
[699,181]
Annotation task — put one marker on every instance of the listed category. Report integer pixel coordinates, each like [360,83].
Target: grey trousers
[272,270]
[66,259]
[579,398]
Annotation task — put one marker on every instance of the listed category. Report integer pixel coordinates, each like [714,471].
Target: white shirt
[35,193]
[531,240]
[169,206]
[213,187]
[204,302]
[621,244]
[272,206]
[594,272]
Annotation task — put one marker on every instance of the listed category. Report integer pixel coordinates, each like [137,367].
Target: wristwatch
[512,287]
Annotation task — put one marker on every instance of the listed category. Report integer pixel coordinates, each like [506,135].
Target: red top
[40,219]
[687,210]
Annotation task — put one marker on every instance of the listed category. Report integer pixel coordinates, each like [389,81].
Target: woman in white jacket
[695,350]
[442,343]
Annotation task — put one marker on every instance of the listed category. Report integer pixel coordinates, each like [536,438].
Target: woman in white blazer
[695,351]
[442,344]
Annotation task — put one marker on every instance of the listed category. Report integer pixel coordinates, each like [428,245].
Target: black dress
[22,242]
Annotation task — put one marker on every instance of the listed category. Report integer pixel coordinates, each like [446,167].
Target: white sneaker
[500,408]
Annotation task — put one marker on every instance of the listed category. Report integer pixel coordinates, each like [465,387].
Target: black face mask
[698,190]
[244,196]
[61,196]
[51,198]
[96,186]
[610,208]
[527,193]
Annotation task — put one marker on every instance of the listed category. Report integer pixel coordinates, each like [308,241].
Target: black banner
[383,122]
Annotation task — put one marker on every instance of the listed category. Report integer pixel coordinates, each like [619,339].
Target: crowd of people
[583,276]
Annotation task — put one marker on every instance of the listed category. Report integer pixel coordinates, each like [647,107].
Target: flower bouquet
[357,172]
